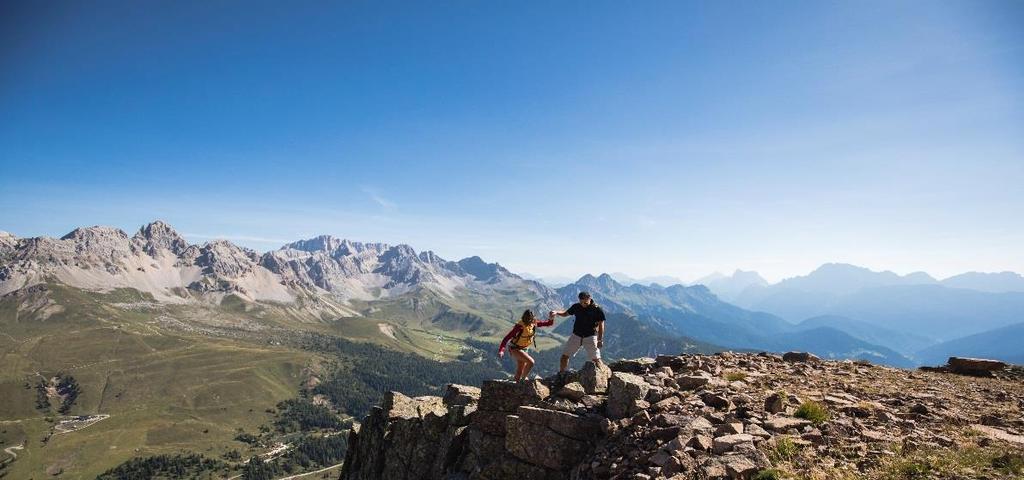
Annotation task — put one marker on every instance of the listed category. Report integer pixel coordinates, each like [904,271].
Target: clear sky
[556,138]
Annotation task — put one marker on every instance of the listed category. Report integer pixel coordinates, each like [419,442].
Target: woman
[521,337]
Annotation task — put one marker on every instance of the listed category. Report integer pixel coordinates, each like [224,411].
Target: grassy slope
[162,389]
[163,386]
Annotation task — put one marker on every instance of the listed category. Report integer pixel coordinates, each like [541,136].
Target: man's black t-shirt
[587,319]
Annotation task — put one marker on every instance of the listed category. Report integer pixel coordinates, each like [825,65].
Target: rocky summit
[724,416]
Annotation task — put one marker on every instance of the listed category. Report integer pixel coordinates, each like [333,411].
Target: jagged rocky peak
[95,233]
[402,251]
[7,241]
[680,417]
[430,258]
[334,246]
[403,267]
[98,241]
[223,258]
[483,271]
[159,236]
[603,282]
[322,243]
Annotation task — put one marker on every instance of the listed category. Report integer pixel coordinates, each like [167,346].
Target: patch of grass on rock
[769,474]
[813,411]
[783,449]
[969,462]
[736,376]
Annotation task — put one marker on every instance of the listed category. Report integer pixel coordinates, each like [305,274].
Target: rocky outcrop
[158,238]
[655,420]
[975,366]
[409,438]
[497,431]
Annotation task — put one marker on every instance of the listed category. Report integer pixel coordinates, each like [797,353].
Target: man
[587,330]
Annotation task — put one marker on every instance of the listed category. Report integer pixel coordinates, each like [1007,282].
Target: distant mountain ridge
[697,313]
[987,282]
[904,312]
[732,286]
[1004,343]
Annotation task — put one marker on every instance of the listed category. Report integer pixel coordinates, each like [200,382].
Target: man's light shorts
[575,342]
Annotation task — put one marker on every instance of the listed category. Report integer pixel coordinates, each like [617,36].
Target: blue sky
[671,138]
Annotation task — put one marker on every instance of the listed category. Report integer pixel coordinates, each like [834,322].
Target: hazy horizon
[680,139]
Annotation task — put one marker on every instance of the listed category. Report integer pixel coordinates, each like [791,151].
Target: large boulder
[499,398]
[803,357]
[594,377]
[675,362]
[461,395]
[636,365]
[573,391]
[975,366]
[505,396]
[774,403]
[625,390]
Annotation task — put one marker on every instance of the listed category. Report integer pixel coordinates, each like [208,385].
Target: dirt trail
[10,450]
[300,475]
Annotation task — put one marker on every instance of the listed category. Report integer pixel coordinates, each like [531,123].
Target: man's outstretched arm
[600,334]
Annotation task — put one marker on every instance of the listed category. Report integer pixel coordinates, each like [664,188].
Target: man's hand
[501,354]
[551,315]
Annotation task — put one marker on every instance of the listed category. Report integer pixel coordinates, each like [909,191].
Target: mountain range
[322,276]
[696,312]
[837,311]
[907,313]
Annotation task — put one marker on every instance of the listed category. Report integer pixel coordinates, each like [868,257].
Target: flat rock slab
[801,357]
[999,434]
[728,442]
[783,424]
[570,425]
[692,382]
